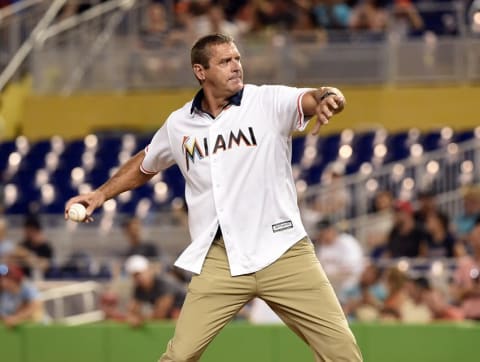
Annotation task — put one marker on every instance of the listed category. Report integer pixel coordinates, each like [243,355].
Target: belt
[218,235]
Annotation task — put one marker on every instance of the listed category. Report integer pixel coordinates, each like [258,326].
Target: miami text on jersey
[191,146]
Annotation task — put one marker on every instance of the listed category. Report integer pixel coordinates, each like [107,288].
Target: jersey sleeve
[288,111]
[158,153]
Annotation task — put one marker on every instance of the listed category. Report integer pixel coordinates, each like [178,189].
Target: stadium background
[96,84]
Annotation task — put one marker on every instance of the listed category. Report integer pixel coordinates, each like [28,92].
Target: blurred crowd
[154,34]
[311,21]
[412,264]
[156,289]
[193,18]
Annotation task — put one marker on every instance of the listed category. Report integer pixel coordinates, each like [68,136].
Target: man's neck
[214,105]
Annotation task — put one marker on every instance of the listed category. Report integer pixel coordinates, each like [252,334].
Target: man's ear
[199,72]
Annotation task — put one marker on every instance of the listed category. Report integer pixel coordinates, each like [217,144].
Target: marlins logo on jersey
[200,148]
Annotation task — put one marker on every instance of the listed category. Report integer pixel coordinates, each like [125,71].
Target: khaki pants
[295,287]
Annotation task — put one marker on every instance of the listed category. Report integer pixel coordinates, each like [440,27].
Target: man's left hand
[330,102]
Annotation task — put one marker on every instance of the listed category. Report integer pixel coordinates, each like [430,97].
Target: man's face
[225,74]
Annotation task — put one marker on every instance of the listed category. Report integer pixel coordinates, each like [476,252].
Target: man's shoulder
[263,88]
[181,112]
[270,91]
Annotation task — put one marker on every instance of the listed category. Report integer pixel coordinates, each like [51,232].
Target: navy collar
[236,100]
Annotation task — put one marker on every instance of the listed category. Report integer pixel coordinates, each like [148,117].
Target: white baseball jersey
[238,175]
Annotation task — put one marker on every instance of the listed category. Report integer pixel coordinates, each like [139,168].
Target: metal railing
[21,54]
[25,25]
[16,23]
[446,171]
[105,48]
[56,299]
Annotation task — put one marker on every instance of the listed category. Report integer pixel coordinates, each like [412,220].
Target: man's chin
[237,87]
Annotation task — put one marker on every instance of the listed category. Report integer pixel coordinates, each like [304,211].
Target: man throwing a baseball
[232,143]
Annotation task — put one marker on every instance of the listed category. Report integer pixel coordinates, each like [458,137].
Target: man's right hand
[91,201]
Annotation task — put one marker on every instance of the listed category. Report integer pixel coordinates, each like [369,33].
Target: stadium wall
[238,342]
[393,108]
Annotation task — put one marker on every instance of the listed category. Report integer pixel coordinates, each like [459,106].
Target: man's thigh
[297,289]
[213,299]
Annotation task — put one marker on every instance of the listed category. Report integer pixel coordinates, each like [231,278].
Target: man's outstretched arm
[126,178]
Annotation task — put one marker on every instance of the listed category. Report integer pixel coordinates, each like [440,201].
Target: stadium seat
[6,148]
[105,149]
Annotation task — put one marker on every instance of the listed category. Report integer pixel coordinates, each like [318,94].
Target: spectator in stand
[369,15]
[161,295]
[471,301]
[19,299]
[465,222]
[436,302]
[331,14]
[244,15]
[427,203]
[110,306]
[396,294]
[304,27]
[441,243]
[380,223]
[365,300]
[466,286]
[406,19]
[335,197]
[35,253]
[217,23]
[406,237]
[279,14]
[340,255]
[132,228]
[414,309]
[4,3]
[6,246]
[157,33]
[207,17]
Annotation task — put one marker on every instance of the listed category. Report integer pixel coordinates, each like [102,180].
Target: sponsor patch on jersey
[284,225]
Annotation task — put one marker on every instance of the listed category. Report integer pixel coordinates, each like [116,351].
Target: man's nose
[236,67]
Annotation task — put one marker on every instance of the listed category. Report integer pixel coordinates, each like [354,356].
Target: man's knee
[344,348]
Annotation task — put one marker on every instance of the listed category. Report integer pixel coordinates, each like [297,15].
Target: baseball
[77,212]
